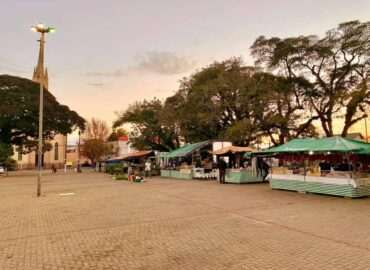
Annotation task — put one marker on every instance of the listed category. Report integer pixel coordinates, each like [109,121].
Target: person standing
[266,169]
[148,168]
[130,173]
[222,166]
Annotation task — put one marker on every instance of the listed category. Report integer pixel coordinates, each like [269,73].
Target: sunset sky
[108,54]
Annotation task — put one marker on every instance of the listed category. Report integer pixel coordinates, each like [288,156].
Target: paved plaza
[176,224]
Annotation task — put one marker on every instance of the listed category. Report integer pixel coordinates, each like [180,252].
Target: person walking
[53,169]
[148,168]
[79,167]
[222,166]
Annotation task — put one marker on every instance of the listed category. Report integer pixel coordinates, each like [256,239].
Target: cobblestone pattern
[176,224]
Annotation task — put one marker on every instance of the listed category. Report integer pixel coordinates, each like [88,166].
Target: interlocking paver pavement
[176,224]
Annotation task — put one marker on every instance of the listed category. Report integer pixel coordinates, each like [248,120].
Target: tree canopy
[96,129]
[150,130]
[224,101]
[6,151]
[19,112]
[336,65]
[116,133]
[295,82]
[94,138]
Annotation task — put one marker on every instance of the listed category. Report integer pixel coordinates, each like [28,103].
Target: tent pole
[304,168]
[270,160]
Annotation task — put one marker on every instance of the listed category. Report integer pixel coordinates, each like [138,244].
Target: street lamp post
[42,30]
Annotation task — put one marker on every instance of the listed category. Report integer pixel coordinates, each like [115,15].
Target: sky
[108,54]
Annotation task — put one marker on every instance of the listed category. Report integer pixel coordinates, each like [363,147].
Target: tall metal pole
[41,113]
[78,151]
[367,138]
[40,28]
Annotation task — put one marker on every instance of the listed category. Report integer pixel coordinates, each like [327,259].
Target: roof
[139,154]
[295,145]
[364,151]
[329,144]
[128,156]
[186,150]
[232,149]
[339,144]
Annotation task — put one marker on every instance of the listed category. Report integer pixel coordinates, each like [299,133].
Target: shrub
[10,164]
[121,177]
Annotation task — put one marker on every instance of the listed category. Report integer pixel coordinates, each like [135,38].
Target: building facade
[121,146]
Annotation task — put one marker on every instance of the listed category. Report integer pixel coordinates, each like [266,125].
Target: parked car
[2,171]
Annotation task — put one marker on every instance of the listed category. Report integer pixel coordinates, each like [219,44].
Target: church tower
[38,69]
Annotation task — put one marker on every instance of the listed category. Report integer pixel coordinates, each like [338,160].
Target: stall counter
[182,174]
[240,177]
[345,187]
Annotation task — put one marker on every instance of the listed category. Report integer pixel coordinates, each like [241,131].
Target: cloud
[162,90]
[163,63]
[11,67]
[115,73]
[98,85]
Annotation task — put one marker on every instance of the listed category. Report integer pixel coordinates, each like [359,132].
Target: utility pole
[42,30]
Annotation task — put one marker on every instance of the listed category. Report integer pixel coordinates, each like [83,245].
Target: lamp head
[42,29]
[40,26]
[51,30]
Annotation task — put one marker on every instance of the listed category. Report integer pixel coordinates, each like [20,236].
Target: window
[56,151]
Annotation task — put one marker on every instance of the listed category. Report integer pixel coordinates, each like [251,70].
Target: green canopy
[363,152]
[293,146]
[248,154]
[186,150]
[330,144]
[339,144]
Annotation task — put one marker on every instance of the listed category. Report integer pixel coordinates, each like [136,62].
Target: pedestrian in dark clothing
[53,169]
[79,167]
[222,166]
[265,168]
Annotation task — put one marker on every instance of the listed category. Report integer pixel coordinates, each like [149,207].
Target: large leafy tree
[149,131]
[215,99]
[282,107]
[19,111]
[6,151]
[336,65]
[229,101]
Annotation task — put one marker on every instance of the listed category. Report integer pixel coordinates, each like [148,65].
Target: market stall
[188,162]
[333,166]
[135,157]
[242,168]
[135,160]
